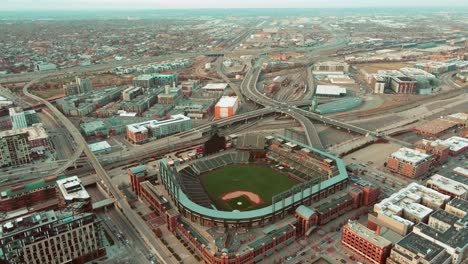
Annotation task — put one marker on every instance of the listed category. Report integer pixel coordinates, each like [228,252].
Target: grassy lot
[260,180]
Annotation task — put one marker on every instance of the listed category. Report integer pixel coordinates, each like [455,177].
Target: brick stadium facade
[182,212]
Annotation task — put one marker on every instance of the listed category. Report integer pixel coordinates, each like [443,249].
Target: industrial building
[405,208]
[215,87]
[365,242]
[19,146]
[330,91]
[435,127]
[227,106]
[52,237]
[448,186]
[142,132]
[22,119]
[331,66]
[409,162]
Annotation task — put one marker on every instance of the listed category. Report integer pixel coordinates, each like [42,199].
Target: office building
[227,106]
[403,209]
[51,237]
[448,186]
[22,119]
[409,162]
[142,132]
[364,242]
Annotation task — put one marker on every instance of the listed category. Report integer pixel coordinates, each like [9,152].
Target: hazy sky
[157,4]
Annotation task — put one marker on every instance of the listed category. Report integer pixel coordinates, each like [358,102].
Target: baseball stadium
[256,180]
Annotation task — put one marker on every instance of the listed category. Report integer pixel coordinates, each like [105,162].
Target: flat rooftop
[460,204]
[71,188]
[330,90]
[449,185]
[35,132]
[408,201]
[215,86]
[410,155]
[227,101]
[435,126]
[143,126]
[455,143]
[421,246]
[367,234]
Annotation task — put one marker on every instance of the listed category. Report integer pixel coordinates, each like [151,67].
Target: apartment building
[18,146]
[142,132]
[365,242]
[448,186]
[403,209]
[22,119]
[51,237]
[409,162]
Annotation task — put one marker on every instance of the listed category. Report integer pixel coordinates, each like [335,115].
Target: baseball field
[244,187]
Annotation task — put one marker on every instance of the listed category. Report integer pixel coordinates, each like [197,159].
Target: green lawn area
[260,180]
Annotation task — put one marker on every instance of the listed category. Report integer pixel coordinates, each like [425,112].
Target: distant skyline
[6,5]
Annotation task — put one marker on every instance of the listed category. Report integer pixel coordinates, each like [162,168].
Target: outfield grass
[260,180]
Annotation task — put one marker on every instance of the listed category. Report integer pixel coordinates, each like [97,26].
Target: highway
[249,88]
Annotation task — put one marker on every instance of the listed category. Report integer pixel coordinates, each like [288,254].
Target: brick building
[140,174]
[408,162]
[364,242]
